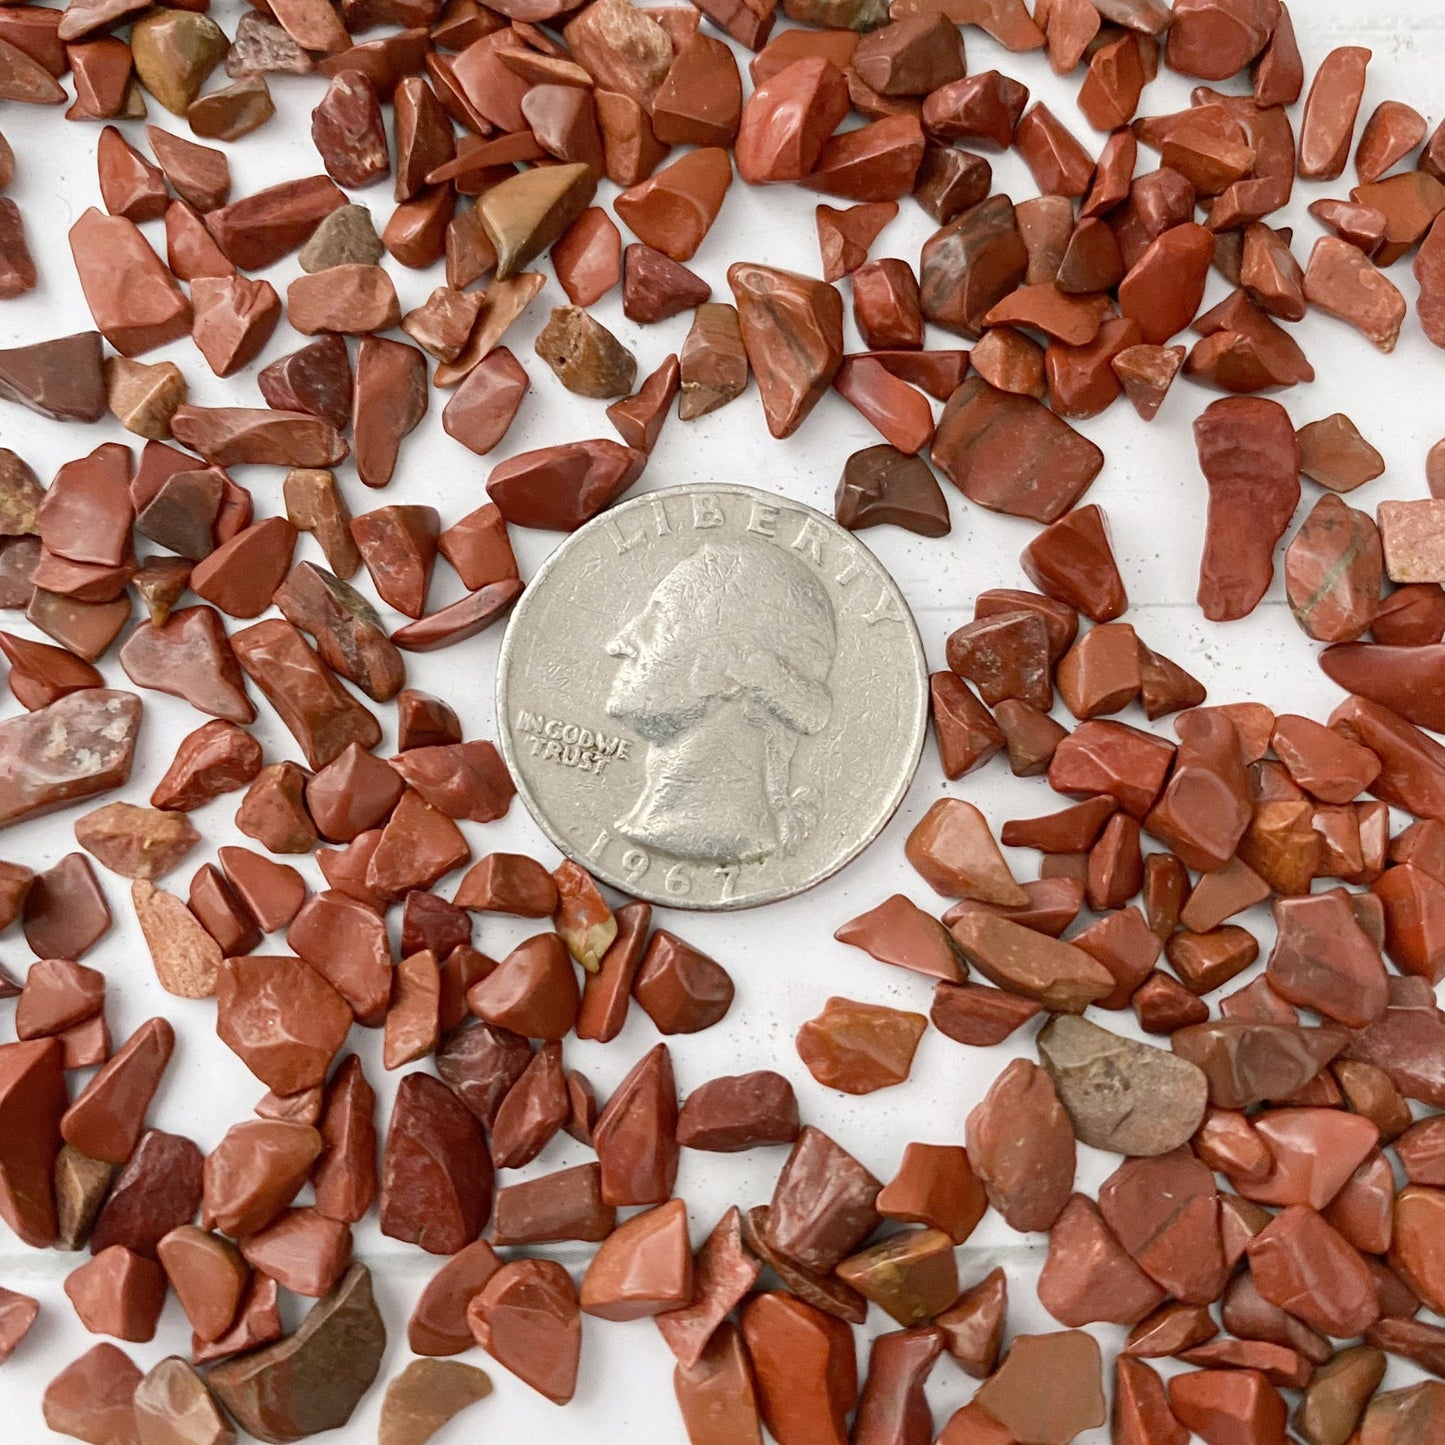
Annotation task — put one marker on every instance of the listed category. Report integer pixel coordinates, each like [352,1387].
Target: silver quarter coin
[712,697]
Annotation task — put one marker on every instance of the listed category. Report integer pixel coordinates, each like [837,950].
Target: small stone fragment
[1337,1394]
[425,1396]
[527,1318]
[792,329]
[282,1018]
[640,417]
[859,1048]
[144,398]
[741,1112]
[805,1369]
[1343,282]
[436,1177]
[137,304]
[954,851]
[1328,125]
[237,435]
[585,357]
[1102,1081]
[484,406]
[1334,454]
[174,1407]
[345,237]
[351,299]
[92,1398]
[823,1205]
[533,991]
[560,487]
[118,1293]
[1250,460]
[588,257]
[174,51]
[524,214]
[714,363]
[681,989]
[266,225]
[1021,1145]
[98,727]
[208,1276]
[17,1314]
[316,380]
[61,379]
[311,1380]
[1074,1402]
[643,1268]
[1302,1264]
[1058,975]
[233,111]
[136,842]
[1239,1401]
[1088,1276]
[17,268]
[845,236]
[1011,454]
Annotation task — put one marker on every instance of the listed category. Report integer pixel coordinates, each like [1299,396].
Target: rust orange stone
[1328,126]
[1302,1264]
[1250,460]
[1343,282]
[859,1048]
[643,1268]
[1021,1145]
[1011,454]
[787,121]
[527,1318]
[806,1371]
[136,302]
[673,209]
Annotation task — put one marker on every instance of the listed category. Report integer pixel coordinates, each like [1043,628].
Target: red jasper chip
[346,943]
[535,1107]
[781,1331]
[901,933]
[935,1186]
[344,1177]
[17,1314]
[137,304]
[429,922]
[118,1293]
[57,994]
[272,891]
[322,716]
[740,1112]
[158,1189]
[353,792]
[533,991]
[527,1318]
[508,883]
[438,1324]
[107,1117]
[682,990]
[65,912]
[32,1101]
[643,1268]
[1005,655]
[436,1173]
[1073,562]
[282,1018]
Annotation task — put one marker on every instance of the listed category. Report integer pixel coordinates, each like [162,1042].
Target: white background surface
[783,958]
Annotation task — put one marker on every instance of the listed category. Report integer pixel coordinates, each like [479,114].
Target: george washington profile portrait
[723,672]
